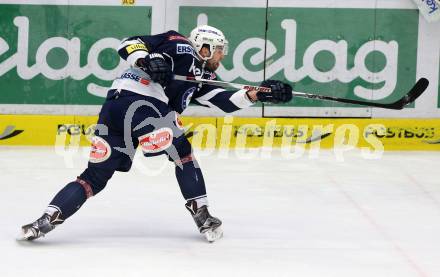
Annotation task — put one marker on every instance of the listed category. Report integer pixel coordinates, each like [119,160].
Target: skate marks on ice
[281,218]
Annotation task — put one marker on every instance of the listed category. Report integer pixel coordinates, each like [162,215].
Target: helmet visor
[222,48]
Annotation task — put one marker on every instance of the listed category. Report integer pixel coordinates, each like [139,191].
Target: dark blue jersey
[183,60]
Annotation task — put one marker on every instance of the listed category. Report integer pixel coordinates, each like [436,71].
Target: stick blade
[417,90]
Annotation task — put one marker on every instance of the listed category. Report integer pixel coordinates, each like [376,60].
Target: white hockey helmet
[208,36]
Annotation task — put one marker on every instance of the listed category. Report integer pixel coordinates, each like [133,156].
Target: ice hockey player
[142,108]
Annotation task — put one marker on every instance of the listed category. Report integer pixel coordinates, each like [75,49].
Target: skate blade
[21,238]
[23,241]
[27,236]
[24,236]
[213,235]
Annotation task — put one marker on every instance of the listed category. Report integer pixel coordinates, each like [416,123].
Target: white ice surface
[302,217]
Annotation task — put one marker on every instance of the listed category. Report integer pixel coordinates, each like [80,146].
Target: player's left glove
[280,92]
[157,68]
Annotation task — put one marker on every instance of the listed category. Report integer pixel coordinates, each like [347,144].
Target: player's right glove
[280,92]
[157,68]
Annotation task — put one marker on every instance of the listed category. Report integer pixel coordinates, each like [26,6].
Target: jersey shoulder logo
[135,47]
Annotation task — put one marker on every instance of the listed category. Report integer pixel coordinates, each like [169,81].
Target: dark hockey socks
[71,198]
[190,179]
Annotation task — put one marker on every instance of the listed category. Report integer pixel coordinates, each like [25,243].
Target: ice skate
[41,226]
[208,225]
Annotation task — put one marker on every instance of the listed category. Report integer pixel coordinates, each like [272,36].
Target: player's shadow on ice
[114,238]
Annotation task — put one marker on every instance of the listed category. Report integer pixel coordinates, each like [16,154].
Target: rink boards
[56,59]
[233,132]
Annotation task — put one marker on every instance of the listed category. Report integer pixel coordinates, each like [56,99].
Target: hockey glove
[157,68]
[281,92]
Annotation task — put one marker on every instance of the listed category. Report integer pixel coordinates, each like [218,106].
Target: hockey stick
[412,95]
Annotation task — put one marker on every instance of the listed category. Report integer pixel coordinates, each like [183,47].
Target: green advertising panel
[63,54]
[352,53]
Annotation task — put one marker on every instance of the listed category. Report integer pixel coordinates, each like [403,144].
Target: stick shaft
[409,97]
